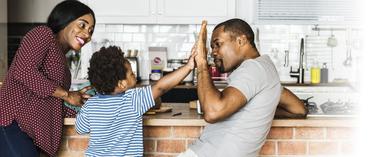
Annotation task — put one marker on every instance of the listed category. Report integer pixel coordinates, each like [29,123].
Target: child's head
[109,72]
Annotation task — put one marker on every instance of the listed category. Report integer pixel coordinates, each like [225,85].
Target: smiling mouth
[80,40]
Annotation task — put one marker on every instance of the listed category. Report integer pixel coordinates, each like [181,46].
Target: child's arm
[172,79]
[82,122]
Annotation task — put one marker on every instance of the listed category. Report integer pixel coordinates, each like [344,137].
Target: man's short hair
[238,27]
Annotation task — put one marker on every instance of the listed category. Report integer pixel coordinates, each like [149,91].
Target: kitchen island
[167,134]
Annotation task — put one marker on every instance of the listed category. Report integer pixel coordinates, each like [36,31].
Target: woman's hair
[66,12]
[107,67]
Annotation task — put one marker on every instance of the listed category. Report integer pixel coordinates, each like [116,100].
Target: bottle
[324,73]
[315,74]
[155,75]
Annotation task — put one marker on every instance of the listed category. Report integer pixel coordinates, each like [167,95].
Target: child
[113,117]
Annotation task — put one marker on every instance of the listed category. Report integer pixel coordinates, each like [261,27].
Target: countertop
[189,117]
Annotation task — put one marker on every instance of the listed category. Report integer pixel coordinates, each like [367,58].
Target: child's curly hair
[106,69]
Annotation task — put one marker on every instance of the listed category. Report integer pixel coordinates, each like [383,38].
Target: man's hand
[201,48]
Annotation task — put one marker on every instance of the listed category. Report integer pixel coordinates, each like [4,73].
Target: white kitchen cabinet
[162,11]
[30,11]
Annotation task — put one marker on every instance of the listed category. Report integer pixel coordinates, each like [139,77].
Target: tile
[187,28]
[100,36]
[143,28]
[114,28]
[160,37]
[132,28]
[99,27]
[153,28]
[138,37]
[186,46]
[126,37]
[167,28]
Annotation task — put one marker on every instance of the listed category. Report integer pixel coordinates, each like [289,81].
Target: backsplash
[274,41]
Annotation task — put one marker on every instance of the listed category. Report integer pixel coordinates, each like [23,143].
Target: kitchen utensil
[258,39]
[348,60]
[286,58]
[332,42]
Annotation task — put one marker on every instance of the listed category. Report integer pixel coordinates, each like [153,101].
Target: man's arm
[216,105]
[290,106]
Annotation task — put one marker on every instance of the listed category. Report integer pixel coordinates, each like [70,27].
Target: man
[241,115]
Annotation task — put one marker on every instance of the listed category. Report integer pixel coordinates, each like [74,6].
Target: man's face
[224,50]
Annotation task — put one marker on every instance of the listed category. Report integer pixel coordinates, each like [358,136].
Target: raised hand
[191,60]
[201,48]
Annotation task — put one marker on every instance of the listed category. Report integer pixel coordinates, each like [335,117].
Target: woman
[37,83]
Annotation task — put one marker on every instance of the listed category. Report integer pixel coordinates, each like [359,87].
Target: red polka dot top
[38,68]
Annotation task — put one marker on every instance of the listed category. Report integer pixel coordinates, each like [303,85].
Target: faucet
[299,74]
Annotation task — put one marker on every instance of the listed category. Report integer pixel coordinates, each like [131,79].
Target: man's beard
[220,65]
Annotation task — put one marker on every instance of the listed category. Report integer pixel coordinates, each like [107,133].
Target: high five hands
[200,47]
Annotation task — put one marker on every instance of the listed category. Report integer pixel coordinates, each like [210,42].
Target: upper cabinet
[306,12]
[30,11]
[3,11]
[162,11]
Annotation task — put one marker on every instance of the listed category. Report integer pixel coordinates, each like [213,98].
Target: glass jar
[155,75]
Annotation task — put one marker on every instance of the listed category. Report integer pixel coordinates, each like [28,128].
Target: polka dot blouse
[38,68]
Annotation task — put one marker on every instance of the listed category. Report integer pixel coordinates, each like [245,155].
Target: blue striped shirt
[114,122]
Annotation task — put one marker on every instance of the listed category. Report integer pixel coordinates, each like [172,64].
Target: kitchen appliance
[135,66]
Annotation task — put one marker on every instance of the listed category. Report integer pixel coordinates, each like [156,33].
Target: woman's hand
[79,97]
[76,98]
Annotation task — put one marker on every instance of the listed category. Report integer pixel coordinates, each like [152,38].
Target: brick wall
[163,141]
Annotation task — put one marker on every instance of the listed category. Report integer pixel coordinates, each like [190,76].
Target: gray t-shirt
[244,133]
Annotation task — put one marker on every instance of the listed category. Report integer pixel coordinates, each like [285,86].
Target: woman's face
[77,33]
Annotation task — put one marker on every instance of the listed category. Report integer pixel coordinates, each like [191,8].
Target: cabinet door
[194,11]
[20,11]
[42,9]
[3,39]
[124,11]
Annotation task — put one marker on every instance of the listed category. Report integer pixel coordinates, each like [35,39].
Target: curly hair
[107,69]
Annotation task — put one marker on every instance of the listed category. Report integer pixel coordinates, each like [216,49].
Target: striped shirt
[114,122]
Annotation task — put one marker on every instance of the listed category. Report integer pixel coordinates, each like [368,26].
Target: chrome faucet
[299,74]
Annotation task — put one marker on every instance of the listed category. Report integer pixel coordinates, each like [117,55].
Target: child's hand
[201,49]
[78,98]
[191,61]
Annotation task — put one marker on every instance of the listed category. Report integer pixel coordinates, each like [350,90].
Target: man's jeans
[16,143]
